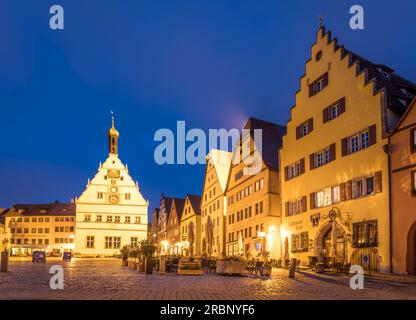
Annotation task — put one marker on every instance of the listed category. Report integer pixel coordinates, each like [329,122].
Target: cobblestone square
[107,279]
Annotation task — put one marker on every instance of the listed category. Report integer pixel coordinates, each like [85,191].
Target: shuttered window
[322,157]
[325,197]
[304,128]
[413,181]
[361,187]
[413,140]
[359,141]
[297,206]
[318,85]
[295,169]
[334,110]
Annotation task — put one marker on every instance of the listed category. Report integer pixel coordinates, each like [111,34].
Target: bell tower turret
[113,137]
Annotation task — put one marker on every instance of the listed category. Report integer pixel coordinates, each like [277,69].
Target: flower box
[191,272]
[190,268]
[266,271]
[230,267]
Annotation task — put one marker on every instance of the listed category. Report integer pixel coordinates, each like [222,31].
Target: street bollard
[4,261]
[292,268]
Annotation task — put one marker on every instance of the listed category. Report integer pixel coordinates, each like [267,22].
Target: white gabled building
[111,212]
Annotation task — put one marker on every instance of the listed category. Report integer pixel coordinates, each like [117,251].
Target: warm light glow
[270,238]
[284,233]
[165,244]
[261,234]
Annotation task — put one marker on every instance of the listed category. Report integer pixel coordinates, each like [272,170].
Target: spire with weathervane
[113,137]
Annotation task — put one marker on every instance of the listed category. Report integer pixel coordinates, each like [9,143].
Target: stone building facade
[213,203]
[253,200]
[46,227]
[402,147]
[335,171]
[111,212]
[190,225]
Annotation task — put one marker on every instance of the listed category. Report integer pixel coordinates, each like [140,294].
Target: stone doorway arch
[320,249]
[411,250]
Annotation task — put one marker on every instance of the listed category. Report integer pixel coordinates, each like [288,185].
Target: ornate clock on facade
[113,199]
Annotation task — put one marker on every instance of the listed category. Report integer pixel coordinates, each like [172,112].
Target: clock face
[113,189]
[113,199]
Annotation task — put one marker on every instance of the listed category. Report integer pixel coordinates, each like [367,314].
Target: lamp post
[4,266]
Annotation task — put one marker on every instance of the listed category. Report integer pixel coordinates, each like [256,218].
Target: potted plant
[190,267]
[124,252]
[320,267]
[147,250]
[266,268]
[134,254]
[141,264]
[234,265]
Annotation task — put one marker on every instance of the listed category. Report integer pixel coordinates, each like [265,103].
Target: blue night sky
[210,63]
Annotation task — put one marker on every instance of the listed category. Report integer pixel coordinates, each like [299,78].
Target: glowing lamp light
[261,234]
[165,244]
[284,233]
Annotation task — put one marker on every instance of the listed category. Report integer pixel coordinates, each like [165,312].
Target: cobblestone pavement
[107,279]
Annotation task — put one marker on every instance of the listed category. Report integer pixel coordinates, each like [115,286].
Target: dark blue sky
[211,63]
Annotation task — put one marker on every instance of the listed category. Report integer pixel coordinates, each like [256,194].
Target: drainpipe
[387,150]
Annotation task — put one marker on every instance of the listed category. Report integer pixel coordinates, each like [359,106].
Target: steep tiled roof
[399,91]
[168,204]
[195,203]
[271,139]
[3,212]
[155,213]
[179,204]
[408,110]
[52,209]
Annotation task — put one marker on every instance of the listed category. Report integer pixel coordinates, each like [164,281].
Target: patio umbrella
[191,237]
[209,233]
[286,254]
[240,243]
[334,237]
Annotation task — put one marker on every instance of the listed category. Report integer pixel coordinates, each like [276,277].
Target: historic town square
[199,151]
